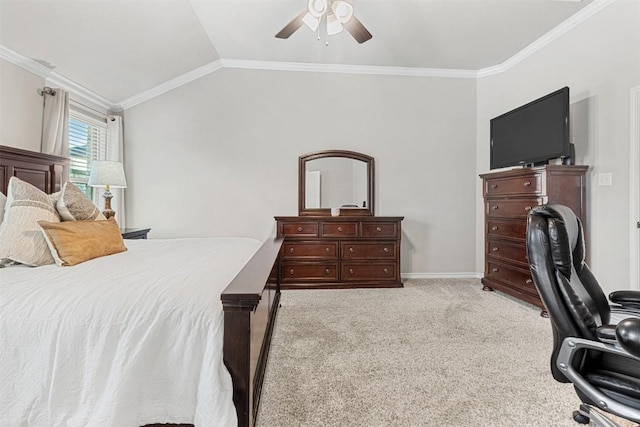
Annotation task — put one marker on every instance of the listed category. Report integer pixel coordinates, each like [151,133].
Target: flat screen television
[532,134]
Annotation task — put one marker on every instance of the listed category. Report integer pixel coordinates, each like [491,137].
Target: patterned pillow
[3,201]
[21,238]
[74,205]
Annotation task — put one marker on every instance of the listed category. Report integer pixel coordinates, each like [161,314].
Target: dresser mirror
[335,182]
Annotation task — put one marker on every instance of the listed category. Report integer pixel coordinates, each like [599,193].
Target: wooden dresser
[339,252]
[508,197]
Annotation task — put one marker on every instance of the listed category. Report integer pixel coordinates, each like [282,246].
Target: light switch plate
[605,179]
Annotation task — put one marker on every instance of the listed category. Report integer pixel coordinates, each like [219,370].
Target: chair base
[588,413]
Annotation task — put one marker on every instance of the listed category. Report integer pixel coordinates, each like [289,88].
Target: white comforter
[122,341]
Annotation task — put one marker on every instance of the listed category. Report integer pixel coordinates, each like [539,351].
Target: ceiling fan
[337,14]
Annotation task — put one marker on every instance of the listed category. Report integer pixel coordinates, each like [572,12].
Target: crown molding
[581,16]
[348,69]
[53,78]
[24,62]
[170,85]
[58,80]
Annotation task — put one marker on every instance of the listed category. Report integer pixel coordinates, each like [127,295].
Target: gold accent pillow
[74,205]
[74,242]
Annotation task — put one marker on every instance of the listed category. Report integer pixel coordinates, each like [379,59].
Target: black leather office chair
[596,346]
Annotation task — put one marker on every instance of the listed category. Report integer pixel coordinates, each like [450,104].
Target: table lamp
[107,174]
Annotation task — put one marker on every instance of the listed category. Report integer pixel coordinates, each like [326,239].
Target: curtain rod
[102,113]
[46,90]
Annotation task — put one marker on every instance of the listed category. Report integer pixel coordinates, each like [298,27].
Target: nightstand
[134,233]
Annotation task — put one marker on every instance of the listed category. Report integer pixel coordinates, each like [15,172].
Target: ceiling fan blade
[357,30]
[292,26]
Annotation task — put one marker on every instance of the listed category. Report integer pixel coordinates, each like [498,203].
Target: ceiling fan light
[317,8]
[311,21]
[333,25]
[342,10]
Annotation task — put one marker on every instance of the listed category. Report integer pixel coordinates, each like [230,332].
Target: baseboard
[441,275]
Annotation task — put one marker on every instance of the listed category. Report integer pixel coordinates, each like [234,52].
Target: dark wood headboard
[41,170]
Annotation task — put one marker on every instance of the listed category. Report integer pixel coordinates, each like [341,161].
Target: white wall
[600,61]
[20,107]
[219,156]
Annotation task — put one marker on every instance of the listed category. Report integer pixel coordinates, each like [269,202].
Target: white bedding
[120,341]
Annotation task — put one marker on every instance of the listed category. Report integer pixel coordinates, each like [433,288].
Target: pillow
[73,242]
[74,205]
[3,201]
[20,237]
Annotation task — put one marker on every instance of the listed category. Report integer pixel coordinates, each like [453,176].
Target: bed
[170,331]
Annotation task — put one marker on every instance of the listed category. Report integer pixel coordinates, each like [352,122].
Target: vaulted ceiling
[118,49]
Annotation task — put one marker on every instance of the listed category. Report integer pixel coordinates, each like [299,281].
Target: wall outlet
[605,179]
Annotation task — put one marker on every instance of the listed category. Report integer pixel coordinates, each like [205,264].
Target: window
[87,142]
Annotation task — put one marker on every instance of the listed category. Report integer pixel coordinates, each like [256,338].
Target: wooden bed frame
[250,302]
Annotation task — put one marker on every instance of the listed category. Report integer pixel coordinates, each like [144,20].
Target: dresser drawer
[369,271]
[511,208]
[300,229]
[515,277]
[315,272]
[338,229]
[521,185]
[310,250]
[374,250]
[507,250]
[505,228]
[380,229]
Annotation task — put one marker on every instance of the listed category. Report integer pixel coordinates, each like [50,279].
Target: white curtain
[115,152]
[55,123]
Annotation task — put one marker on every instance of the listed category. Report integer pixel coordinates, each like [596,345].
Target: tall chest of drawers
[508,197]
[339,252]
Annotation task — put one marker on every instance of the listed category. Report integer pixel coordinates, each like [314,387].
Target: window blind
[87,142]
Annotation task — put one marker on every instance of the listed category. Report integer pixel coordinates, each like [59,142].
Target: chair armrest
[564,361]
[628,335]
[626,298]
[607,333]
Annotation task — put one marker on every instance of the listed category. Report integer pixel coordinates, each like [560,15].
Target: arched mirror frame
[302,165]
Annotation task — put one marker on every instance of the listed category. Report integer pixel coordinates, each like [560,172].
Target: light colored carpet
[434,353]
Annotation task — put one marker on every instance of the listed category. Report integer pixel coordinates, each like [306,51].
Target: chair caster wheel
[579,418]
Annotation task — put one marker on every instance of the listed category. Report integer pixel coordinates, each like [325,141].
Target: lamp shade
[107,173]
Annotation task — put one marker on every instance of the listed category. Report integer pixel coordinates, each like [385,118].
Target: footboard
[250,305]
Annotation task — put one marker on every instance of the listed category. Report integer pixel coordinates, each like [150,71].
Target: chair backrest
[571,294]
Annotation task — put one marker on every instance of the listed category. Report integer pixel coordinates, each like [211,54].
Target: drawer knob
[528,281]
[299,229]
[351,271]
[386,271]
[327,271]
[527,208]
[292,250]
[495,269]
[327,250]
[494,228]
[291,272]
[495,207]
[527,183]
[496,249]
[378,229]
[386,250]
[351,250]
[340,229]
[494,186]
